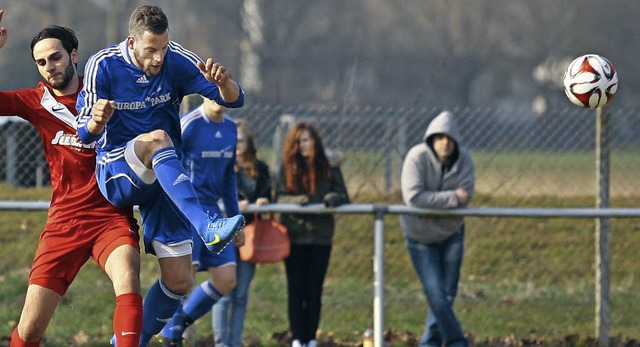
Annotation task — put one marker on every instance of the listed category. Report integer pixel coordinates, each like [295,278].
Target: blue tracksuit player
[209,157]
[209,144]
[129,105]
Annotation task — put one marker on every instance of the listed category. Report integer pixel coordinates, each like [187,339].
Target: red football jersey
[71,163]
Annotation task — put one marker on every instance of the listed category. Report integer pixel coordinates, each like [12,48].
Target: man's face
[149,51]
[213,110]
[443,145]
[55,65]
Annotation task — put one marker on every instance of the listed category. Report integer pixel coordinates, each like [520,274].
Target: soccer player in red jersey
[81,223]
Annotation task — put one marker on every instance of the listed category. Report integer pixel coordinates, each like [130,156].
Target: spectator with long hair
[306,176]
[254,186]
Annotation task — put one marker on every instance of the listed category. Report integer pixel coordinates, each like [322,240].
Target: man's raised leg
[155,150]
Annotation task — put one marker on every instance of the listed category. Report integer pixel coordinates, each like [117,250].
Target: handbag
[265,241]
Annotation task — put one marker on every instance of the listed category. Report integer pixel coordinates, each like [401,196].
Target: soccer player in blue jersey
[209,144]
[129,107]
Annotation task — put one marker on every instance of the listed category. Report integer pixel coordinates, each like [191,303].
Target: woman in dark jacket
[307,177]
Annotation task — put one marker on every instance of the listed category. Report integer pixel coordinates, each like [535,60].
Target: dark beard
[69,75]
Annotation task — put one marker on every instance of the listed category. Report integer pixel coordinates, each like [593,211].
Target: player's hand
[3,31]
[214,72]
[102,111]
[238,240]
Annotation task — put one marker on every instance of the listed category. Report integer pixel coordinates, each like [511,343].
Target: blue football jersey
[143,103]
[210,156]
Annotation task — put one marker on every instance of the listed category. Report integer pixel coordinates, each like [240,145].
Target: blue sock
[175,327]
[159,304]
[174,181]
[201,300]
[197,305]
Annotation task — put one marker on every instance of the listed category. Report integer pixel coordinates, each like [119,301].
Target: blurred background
[482,53]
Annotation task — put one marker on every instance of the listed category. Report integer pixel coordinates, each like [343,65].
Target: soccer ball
[590,81]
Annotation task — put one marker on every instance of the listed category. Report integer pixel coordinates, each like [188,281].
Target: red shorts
[64,248]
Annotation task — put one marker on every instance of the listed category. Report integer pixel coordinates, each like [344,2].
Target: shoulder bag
[265,241]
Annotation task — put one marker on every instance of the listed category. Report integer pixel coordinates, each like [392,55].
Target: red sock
[16,341]
[127,320]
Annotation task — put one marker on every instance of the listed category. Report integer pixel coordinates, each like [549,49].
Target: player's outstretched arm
[3,31]
[216,73]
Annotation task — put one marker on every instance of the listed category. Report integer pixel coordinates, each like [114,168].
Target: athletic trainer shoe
[220,231]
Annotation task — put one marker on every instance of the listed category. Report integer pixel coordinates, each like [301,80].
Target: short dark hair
[148,18]
[64,34]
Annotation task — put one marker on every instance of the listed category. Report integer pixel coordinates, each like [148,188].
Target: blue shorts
[205,259]
[202,256]
[126,182]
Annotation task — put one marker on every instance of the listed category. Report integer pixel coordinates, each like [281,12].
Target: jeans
[438,267]
[229,312]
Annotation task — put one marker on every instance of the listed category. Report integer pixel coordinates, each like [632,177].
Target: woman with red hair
[306,176]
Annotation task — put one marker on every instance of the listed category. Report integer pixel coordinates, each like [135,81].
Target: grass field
[523,279]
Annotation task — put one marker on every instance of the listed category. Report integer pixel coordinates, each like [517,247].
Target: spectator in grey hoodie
[438,173]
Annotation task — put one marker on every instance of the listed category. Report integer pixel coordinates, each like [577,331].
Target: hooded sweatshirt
[427,183]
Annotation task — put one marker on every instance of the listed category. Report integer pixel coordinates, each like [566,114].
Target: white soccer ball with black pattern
[590,81]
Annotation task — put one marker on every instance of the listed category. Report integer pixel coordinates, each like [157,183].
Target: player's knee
[160,138]
[148,144]
[225,285]
[127,283]
[181,285]
[123,268]
[31,331]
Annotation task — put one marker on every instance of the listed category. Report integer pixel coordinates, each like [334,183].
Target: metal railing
[379,211]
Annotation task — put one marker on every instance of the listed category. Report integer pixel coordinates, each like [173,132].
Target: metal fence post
[389,135]
[602,237]
[378,273]
[11,164]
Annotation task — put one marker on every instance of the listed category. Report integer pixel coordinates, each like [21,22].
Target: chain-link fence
[517,153]
[520,276]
